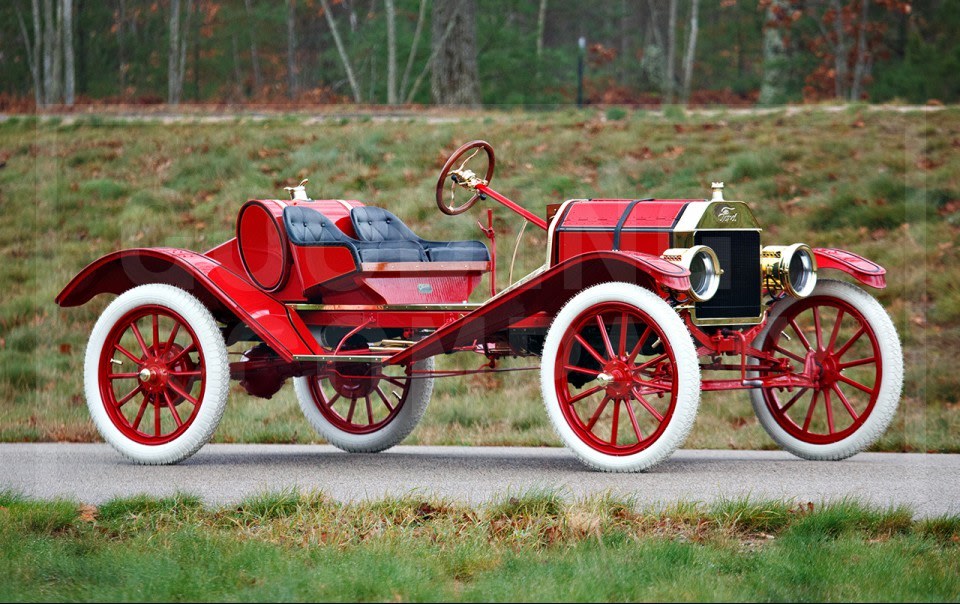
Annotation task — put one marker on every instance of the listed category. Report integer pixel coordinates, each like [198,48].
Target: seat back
[306,226]
[376,224]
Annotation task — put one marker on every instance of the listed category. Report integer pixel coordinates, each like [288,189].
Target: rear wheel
[843,340]
[364,409]
[156,374]
[620,377]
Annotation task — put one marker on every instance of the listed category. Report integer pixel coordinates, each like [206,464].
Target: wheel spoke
[655,387]
[855,384]
[143,407]
[129,396]
[139,336]
[156,333]
[596,414]
[795,398]
[194,373]
[828,405]
[156,418]
[817,328]
[616,420]
[173,385]
[353,405]
[128,354]
[606,338]
[590,350]
[639,345]
[652,361]
[581,370]
[622,348]
[384,398]
[123,376]
[836,330]
[633,421]
[858,362]
[843,349]
[369,411]
[585,394]
[646,405]
[787,353]
[813,405]
[336,397]
[171,337]
[396,382]
[803,338]
[179,355]
[846,403]
[173,409]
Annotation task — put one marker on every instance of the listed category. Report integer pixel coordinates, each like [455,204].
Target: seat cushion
[456,251]
[376,224]
[390,251]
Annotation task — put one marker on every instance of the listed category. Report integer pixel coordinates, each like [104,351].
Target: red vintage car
[639,306]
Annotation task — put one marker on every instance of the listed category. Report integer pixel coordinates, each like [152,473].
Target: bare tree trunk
[173,69]
[391,52]
[58,55]
[122,47]
[691,50]
[773,88]
[421,17]
[237,74]
[541,24]
[344,58]
[48,33]
[254,55]
[184,40]
[840,53]
[429,65]
[292,86]
[671,51]
[860,68]
[32,50]
[70,75]
[455,79]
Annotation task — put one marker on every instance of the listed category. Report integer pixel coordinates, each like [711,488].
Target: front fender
[863,270]
[547,292]
[220,289]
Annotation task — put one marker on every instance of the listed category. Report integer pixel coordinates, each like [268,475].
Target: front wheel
[364,409]
[620,377]
[156,375]
[845,343]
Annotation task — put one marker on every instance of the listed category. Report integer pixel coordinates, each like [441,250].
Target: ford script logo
[726,214]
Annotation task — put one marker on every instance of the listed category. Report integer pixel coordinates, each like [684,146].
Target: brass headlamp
[791,268]
[704,269]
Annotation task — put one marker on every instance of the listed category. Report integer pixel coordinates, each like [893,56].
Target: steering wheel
[463,177]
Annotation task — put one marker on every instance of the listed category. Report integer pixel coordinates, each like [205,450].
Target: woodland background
[476,52]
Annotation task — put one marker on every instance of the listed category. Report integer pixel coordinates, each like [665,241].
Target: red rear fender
[225,293]
[863,270]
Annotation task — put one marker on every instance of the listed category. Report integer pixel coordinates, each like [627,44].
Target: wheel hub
[616,378]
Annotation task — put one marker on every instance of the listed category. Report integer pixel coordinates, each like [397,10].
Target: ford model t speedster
[639,306]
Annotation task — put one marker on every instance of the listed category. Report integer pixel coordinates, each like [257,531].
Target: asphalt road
[226,474]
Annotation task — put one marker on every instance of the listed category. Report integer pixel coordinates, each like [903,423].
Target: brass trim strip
[339,358]
[468,307]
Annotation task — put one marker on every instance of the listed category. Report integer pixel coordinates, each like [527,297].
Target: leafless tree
[455,79]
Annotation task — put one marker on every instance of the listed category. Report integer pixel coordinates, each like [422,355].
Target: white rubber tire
[418,397]
[688,368]
[891,381]
[217,378]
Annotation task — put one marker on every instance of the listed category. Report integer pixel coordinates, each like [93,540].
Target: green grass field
[531,547]
[885,184]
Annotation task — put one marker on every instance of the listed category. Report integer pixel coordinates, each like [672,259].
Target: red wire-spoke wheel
[156,374]
[620,377]
[151,384]
[842,341]
[365,408]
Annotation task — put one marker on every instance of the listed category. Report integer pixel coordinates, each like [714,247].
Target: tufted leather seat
[374,224]
[308,227]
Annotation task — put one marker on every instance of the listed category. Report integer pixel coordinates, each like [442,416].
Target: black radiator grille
[739,292]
